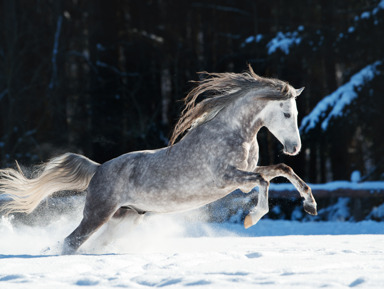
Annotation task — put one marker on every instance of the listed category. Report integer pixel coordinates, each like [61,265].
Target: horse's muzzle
[292,149]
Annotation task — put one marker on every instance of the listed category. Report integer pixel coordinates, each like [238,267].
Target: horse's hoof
[68,250]
[310,208]
[248,222]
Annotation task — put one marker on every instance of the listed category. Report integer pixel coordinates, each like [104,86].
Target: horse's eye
[287,115]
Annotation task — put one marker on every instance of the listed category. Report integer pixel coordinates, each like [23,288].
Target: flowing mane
[220,89]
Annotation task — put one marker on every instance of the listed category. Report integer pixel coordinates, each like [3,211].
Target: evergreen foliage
[103,77]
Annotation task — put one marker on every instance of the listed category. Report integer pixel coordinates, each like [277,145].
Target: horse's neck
[233,131]
[237,127]
[244,118]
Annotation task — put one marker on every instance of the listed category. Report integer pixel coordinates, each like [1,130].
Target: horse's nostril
[295,148]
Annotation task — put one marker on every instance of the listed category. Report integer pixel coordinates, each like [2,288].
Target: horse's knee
[262,182]
[285,168]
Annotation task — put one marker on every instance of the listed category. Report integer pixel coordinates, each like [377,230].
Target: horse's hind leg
[94,216]
[122,219]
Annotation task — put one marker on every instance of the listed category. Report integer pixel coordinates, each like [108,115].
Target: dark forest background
[102,78]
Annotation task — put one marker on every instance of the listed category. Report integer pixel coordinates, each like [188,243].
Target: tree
[103,78]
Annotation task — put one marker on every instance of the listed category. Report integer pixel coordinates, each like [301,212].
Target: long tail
[68,172]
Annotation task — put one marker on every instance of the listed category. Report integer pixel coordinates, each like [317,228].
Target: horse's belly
[177,201]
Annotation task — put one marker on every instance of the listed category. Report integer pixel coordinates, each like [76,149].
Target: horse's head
[280,117]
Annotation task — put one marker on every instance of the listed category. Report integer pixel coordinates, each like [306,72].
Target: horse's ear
[254,75]
[299,91]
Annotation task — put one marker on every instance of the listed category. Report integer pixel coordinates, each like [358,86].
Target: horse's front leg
[282,170]
[246,181]
[261,208]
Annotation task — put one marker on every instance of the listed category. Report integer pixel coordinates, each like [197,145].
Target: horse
[213,151]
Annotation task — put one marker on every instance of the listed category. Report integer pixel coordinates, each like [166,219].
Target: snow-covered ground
[177,252]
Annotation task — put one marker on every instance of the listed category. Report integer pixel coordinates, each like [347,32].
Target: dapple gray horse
[217,154]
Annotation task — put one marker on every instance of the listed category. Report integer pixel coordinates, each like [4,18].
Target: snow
[377,212]
[284,41]
[338,211]
[252,39]
[365,15]
[355,176]
[256,38]
[373,12]
[333,105]
[171,252]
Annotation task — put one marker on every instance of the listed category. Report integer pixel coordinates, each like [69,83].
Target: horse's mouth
[291,150]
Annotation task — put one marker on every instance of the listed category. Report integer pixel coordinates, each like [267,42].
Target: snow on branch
[251,39]
[284,41]
[366,15]
[333,105]
[369,14]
